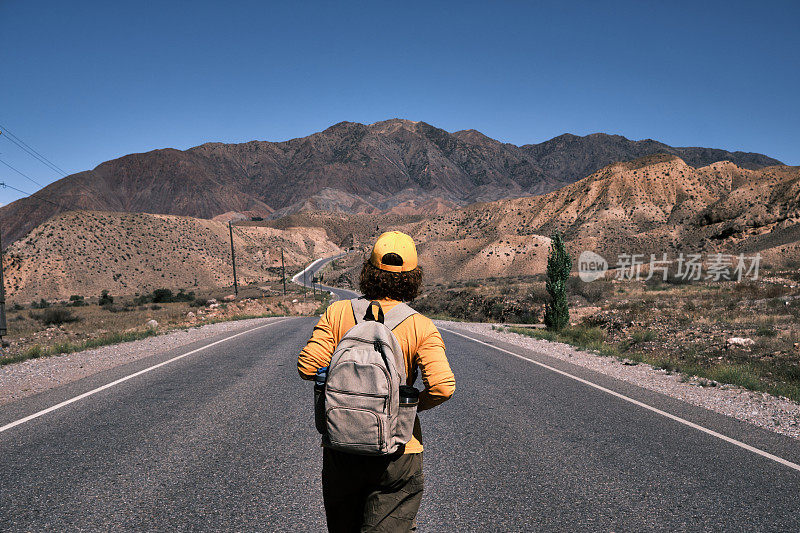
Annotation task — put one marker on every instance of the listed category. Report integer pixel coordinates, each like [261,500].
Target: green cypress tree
[559,264]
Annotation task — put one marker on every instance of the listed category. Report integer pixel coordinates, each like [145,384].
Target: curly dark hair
[401,286]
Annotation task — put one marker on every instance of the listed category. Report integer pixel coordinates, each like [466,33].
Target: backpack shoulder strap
[397,315]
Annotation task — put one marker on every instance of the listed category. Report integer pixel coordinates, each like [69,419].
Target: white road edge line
[640,404]
[130,376]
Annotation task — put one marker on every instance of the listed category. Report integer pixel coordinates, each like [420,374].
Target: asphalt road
[305,277]
[223,439]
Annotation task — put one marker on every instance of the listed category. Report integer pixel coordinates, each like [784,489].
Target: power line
[30,151]
[21,174]
[36,182]
[29,194]
[5,132]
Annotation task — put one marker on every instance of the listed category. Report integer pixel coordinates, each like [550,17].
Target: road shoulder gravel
[34,376]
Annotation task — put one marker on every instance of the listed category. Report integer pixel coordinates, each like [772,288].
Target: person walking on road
[376,487]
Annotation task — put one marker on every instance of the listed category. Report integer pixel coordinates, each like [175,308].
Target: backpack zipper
[373,342]
[332,389]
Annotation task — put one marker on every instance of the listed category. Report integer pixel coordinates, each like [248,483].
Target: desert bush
[776,303]
[116,308]
[766,331]
[584,336]
[496,311]
[539,292]
[640,335]
[160,296]
[198,302]
[55,316]
[775,291]
[654,283]
[747,289]
[184,296]
[77,301]
[672,279]
[527,316]
[105,298]
[738,374]
[41,304]
[593,292]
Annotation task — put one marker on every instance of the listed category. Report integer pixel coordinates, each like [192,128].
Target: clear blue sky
[83,82]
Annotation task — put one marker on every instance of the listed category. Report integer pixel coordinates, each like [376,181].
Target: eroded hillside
[84,252]
[651,205]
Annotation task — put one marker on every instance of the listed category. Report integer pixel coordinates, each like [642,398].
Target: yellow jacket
[422,346]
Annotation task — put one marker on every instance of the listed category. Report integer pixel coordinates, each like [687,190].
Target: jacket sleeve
[320,347]
[440,383]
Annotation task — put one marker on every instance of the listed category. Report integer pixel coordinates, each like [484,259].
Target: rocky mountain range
[652,205]
[656,204]
[400,165]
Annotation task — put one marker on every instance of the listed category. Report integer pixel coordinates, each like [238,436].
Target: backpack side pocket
[407,414]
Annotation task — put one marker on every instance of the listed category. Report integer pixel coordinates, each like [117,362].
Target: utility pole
[3,327]
[283,273]
[314,286]
[304,284]
[233,260]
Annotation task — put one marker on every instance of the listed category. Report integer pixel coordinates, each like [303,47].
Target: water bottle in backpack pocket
[319,398]
[409,401]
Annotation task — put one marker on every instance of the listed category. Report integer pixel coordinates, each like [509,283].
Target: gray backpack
[359,410]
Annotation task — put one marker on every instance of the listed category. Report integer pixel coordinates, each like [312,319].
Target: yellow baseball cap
[394,242]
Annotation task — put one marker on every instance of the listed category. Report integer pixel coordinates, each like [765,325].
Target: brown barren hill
[84,252]
[349,167]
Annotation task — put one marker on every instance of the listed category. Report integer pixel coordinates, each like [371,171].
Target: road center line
[130,376]
[683,421]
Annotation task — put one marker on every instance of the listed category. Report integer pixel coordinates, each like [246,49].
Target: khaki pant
[371,494]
